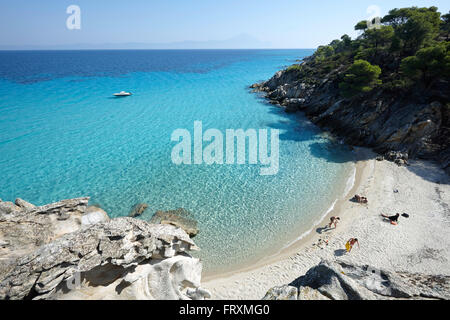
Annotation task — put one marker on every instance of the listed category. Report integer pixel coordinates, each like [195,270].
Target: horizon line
[156,49]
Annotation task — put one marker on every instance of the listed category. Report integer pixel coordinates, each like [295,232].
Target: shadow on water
[118,97]
[294,126]
[332,151]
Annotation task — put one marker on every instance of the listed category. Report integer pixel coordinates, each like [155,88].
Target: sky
[187,23]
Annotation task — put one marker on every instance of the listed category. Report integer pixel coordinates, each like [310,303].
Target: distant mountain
[242,41]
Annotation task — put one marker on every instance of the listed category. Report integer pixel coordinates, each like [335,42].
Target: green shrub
[360,77]
[294,67]
[323,52]
[414,27]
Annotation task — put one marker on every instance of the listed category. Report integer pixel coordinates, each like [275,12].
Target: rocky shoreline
[415,124]
[67,250]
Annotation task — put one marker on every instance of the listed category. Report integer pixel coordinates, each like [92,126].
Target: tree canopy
[360,77]
[410,48]
[445,26]
[414,26]
[428,64]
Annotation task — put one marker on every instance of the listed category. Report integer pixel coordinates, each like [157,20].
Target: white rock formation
[94,215]
[62,251]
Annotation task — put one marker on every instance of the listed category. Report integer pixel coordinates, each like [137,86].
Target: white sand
[420,243]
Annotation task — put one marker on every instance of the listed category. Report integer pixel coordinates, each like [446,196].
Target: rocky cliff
[67,250]
[385,120]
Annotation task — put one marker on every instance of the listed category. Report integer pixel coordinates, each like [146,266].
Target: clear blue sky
[282,23]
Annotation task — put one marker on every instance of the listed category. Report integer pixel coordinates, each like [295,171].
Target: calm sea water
[63,135]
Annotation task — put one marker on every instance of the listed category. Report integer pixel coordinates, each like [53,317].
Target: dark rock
[138,209]
[396,155]
[399,158]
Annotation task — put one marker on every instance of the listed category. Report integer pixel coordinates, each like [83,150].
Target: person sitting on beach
[334,220]
[350,243]
[393,219]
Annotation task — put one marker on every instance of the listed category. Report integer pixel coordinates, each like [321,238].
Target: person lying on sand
[360,199]
[393,219]
[350,243]
[334,220]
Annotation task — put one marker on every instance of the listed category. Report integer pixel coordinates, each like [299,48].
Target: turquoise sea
[63,135]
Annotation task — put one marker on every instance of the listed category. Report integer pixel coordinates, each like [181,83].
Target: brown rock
[179,218]
[137,210]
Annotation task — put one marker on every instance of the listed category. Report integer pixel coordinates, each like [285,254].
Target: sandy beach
[420,243]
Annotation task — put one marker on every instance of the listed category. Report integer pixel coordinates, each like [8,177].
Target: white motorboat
[122,94]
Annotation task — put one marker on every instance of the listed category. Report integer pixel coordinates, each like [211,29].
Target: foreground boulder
[97,258]
[341,281]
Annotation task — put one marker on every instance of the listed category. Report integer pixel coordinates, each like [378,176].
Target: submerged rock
[138,210]
[179,218]
[342,281]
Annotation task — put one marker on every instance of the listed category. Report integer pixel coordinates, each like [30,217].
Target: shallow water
[63,135]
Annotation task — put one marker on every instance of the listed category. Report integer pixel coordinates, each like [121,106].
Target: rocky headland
[388,89]
[384,121]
